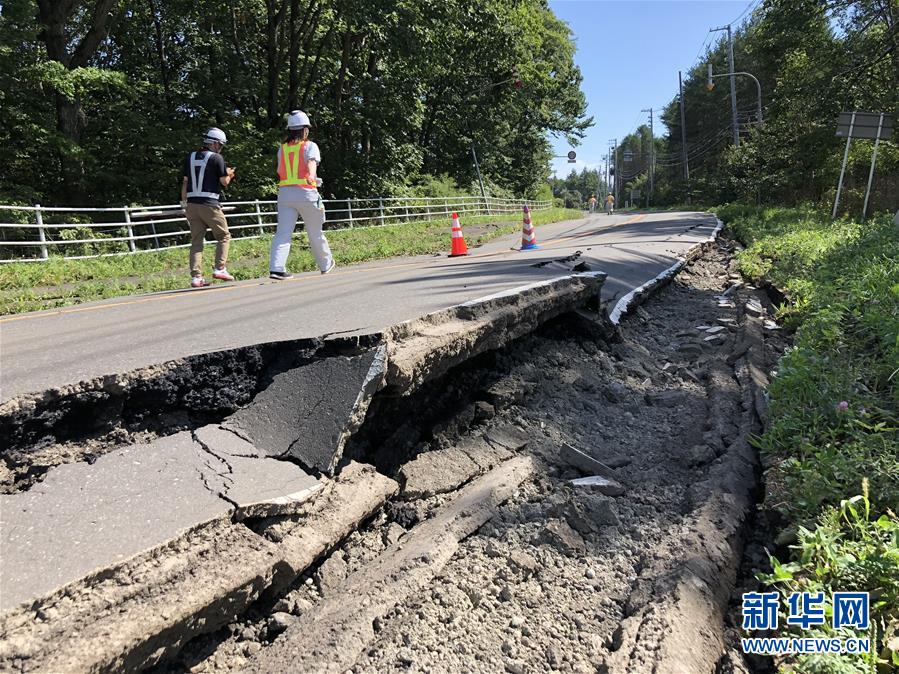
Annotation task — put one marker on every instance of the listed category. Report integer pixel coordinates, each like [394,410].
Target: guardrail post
[130,230]
[349,210]
[381,209]
[406,206]
[258,216]
[40,231]
[155,238]
[446,207]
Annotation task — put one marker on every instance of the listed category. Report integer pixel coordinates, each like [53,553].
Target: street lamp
[516,79]
[711,85]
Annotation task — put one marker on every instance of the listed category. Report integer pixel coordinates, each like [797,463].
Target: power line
[747,8]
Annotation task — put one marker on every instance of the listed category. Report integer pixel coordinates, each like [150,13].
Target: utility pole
[733,81]
[614,142]
[683,127]
[652,158]
[477,168]
[605,158]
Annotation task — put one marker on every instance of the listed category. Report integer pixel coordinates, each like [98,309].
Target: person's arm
[228,173]
[313,157]
[184,171]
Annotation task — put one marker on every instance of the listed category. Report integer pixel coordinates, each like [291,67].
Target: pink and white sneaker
[222,274]
[198,282]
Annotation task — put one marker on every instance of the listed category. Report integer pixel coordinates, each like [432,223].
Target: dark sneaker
[280,275]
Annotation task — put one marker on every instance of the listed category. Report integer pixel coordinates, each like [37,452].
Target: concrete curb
[675,616]
[639,295]
[424,349]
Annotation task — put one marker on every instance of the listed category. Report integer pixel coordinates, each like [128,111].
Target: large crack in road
[560,577]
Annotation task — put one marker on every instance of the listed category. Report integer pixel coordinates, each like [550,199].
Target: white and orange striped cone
[459,248]
[528,235]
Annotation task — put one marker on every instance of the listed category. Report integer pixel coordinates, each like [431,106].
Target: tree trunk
[372,71]
[54,15]
[304,36]
[313,71]
[160,54]
[275,15]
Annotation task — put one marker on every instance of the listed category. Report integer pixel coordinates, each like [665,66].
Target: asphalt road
[49,349]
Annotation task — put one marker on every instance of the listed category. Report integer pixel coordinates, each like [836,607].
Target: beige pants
[202,217]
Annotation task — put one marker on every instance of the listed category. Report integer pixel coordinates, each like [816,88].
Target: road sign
[571,157]
[864,125]
[855,124]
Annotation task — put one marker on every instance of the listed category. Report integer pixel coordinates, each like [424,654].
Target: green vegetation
[56,283]
[814,59]
[850,548]
[834,405]
[100,100]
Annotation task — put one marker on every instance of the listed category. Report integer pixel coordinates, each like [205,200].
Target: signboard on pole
[572,156]
[869,125]
[865,125]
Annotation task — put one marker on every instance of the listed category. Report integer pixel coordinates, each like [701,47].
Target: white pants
[289,207]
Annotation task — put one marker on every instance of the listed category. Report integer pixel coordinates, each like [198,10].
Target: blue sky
[629,53]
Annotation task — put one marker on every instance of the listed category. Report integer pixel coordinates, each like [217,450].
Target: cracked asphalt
[56,348]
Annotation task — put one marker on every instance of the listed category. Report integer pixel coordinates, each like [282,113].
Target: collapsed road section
[85,511]
[513,485]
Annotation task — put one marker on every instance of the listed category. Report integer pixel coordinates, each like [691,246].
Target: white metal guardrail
[37,233]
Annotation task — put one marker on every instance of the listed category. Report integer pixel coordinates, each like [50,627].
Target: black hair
[293,135]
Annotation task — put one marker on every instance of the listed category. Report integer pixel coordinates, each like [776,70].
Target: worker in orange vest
[298,183]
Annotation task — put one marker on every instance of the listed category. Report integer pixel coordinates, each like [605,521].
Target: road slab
[86,517]
[52,349]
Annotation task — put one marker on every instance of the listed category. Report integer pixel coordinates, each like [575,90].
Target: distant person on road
[592,203]
[298,181]
[204,176]
[610,204]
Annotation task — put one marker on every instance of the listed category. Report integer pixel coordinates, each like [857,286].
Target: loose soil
[556,580]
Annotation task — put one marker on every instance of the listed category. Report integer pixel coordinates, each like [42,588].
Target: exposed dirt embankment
[629,573]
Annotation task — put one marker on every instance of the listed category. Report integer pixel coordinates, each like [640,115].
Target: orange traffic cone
[459,247]
[528,235]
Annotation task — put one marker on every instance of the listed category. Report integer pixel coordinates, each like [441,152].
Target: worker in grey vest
[204,176]
[298,183]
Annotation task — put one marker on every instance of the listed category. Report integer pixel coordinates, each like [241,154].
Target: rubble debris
[599,483]
[584,462]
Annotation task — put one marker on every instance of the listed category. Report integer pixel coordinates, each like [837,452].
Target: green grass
[58,282]
[832,445]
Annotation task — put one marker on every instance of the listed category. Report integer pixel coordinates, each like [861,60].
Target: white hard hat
[297,119]
[215,135]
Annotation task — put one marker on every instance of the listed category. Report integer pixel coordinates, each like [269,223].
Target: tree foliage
[101,98]
[813,59]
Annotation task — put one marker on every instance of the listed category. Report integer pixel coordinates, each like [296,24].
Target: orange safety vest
[293,171]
